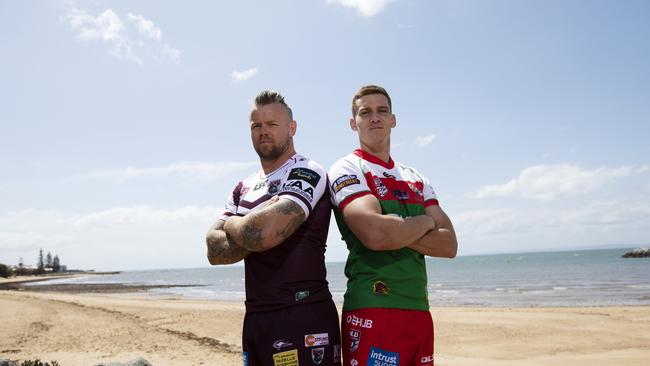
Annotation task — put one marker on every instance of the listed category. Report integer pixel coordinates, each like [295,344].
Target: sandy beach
[85,329]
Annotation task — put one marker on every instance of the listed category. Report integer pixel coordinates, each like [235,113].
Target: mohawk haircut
[266,97]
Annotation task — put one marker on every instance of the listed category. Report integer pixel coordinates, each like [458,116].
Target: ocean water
[568,278]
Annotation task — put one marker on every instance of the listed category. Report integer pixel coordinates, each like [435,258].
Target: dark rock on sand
[637,253]
[7,363]
[137,362]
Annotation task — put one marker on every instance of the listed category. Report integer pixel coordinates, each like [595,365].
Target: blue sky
[124,125]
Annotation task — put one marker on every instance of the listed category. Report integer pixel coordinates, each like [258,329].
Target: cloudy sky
[124,125]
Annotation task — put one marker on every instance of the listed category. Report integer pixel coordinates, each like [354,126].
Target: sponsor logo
[301,295]
[305,174]
[354,362]
[344,181]
[286,358]
[426,360]
[390,176]
[317,355]
[320,339]
[259,185]
[274,185]
[245,358]
[337,353]
[381,188]
[355,338]
[379,357]
[296,187]
[359,322]
[401,195]
[380,288]
[281,343]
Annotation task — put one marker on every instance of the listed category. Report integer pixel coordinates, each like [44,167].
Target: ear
[393,121]
[353,124]
[293,126]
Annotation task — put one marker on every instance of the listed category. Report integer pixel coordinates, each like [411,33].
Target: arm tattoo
[251,235]
[225,253]
[289,208]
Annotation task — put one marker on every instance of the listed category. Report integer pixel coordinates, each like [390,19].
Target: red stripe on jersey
[431,202]
[373,159]
[351,198]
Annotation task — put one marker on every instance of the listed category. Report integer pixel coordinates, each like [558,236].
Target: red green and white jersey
[381,279]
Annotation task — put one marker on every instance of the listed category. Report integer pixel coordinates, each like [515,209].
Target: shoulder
[408,170]
[346,163]
[307,170]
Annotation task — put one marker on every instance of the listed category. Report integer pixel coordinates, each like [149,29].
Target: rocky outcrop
[637,253]
[4,362]
[137,362]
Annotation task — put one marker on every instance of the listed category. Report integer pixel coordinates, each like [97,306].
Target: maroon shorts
[387,337]
[306,334]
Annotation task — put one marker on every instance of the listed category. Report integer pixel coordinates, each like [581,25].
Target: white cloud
[550,182]
[129,41]
[424,140]
[125,237]
[243,75]
[200,171]
[366,8]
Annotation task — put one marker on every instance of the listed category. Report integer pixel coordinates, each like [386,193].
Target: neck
[269,165]
[382,151]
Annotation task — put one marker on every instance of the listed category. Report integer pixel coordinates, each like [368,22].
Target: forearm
[261,230]
[221,250]
[439,242]
[390,232]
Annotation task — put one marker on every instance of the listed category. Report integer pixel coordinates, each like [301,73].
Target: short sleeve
[304,183]
[232,203]
[346,183]
[430,198]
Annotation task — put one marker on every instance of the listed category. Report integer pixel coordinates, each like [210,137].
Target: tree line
[47,263]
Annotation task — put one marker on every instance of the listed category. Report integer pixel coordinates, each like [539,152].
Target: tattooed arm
[221,250]
[264,229]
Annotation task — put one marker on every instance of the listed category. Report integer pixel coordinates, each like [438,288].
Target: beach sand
[85,329]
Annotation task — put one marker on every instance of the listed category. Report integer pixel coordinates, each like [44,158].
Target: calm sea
[568,278]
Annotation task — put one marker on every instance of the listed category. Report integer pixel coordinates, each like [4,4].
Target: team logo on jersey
[355,338]
[317,355]
[274,186]
[381,188]
[305,174]
[384,358]
[301,295]
[259,185]
[390,176]
[280,344]
[426,360]
[344,181]
[354,362]
[380,288]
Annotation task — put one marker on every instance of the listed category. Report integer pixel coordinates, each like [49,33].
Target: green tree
[56,264]
[41,265]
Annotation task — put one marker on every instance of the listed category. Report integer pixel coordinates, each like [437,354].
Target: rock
[137,362]
[637,253]
[4,362]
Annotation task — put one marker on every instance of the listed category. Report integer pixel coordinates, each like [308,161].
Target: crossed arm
[430,234]
[232,240]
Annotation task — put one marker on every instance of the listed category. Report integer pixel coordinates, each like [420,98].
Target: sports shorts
[387,337]
[306,334]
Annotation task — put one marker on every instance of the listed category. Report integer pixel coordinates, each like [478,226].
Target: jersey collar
[373,159]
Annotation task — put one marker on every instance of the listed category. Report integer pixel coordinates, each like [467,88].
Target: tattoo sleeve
[221,248]
[265,229]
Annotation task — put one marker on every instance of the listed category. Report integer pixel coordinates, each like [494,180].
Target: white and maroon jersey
[292,272]
[299,179]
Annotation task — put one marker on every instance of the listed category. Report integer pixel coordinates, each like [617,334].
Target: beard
[272,152]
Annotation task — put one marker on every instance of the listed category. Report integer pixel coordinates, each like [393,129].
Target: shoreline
[86,329]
